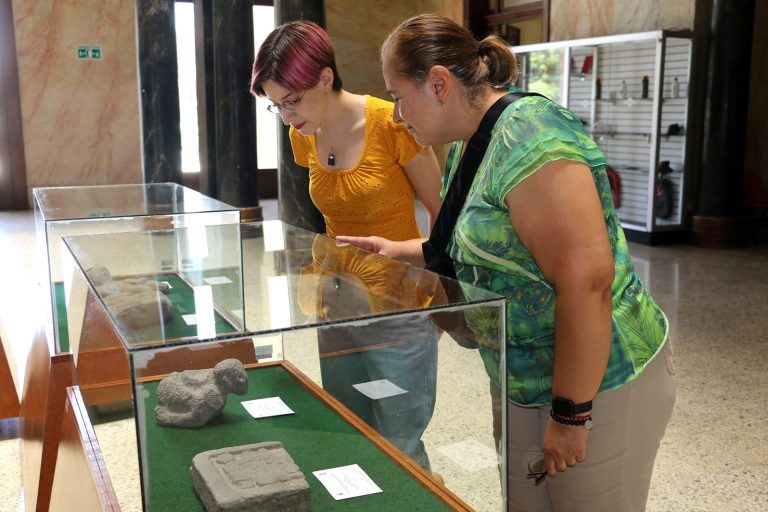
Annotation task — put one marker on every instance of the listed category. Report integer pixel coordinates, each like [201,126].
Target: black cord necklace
[331,157]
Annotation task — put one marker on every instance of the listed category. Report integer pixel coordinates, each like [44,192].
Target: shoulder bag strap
[435,247]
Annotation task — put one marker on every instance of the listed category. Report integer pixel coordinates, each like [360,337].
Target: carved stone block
[254,477]
[136,302]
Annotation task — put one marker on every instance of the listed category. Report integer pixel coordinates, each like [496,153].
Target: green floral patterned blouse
[488,253]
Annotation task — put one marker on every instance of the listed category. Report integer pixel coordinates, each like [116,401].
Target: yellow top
[375,197]
[342,283]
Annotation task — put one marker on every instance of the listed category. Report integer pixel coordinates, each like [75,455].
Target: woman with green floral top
[590,381]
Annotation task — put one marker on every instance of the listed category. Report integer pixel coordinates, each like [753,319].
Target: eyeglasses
[536,470]
[288,106]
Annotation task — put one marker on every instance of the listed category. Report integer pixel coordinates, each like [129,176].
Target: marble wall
[575,19]
[80,117]
[357,32]
[357,35]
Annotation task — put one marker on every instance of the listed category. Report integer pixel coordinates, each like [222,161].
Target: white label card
[217,280]
[346,482]
[266,407]
[377,389]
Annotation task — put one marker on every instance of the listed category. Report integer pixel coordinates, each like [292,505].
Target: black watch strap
[567,408]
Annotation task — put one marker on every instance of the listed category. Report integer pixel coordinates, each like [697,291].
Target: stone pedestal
[725,35]
[718,232]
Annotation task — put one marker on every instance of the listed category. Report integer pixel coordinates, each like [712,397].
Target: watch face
[563,406]
[566,407]
[588,424]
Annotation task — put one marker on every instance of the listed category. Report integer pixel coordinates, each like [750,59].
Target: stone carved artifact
[250,477]
[137,302]
[193,397]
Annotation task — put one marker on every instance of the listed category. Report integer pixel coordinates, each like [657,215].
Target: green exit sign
[88,52]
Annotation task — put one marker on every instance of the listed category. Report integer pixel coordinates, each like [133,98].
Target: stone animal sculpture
[192,398]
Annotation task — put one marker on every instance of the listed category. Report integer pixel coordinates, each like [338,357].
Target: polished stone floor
[715,453]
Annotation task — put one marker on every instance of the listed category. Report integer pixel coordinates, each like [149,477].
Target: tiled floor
[715,454]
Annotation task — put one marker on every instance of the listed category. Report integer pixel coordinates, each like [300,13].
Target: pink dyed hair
[293,55]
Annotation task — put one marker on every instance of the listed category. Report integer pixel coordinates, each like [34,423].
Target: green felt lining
[183,299]
[315,436]
[61,317]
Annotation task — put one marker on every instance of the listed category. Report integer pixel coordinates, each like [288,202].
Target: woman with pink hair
[365,172]
[363,167]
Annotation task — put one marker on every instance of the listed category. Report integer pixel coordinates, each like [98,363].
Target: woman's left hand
[406,250]
[564,446]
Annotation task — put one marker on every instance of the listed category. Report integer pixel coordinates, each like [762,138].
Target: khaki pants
[629,423]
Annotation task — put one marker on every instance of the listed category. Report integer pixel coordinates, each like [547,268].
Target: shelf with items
[628,102]
[634,103]
[647,135]
[631,169]
[608,133]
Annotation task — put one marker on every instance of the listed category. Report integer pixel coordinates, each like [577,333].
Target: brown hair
[430,40]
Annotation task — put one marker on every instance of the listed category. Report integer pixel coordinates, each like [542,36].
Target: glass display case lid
[228,281]
[88,202]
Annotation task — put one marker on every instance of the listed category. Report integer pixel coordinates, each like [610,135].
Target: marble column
[294,204]
[13,172]
[227,115]
[159,91]
[716,219]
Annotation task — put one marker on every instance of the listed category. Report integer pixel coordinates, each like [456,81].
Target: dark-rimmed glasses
[288,106]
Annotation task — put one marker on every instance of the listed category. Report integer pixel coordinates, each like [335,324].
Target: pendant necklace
[331,157]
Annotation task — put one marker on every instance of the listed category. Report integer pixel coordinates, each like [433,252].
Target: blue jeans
[403,351]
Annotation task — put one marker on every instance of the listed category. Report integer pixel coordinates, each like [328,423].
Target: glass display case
[382,366]
[66,211]
[631,92]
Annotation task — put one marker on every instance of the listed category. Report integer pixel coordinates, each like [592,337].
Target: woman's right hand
[369,243]
[564,446]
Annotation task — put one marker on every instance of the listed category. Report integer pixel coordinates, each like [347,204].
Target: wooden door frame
[480,21]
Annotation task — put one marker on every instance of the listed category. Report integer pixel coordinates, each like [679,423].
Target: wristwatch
[566,408]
